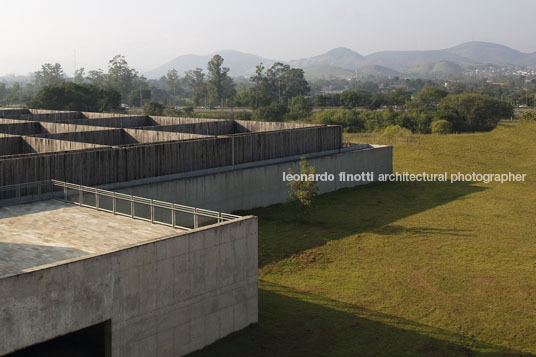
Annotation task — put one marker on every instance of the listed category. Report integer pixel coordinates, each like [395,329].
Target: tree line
[277,93]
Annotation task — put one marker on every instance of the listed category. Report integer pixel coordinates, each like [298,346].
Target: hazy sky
[152,32]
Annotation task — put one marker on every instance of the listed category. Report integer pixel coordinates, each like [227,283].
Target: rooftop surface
[46,232]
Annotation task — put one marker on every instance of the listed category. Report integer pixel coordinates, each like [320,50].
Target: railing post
[173,218]
[196,219]
[80,195]
[114,202]
[152,211]
[97,199]
[132,213]
[233,151]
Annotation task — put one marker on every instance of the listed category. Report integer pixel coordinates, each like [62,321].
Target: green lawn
[425,269]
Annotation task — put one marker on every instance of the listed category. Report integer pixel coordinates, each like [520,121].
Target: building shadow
[16,257]
[10,208]
[284,231]
[293,323]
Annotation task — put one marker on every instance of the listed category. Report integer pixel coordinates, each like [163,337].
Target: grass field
[424,269]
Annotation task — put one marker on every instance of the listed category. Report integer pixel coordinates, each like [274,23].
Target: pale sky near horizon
[150,33]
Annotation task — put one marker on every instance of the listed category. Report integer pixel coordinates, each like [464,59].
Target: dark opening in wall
[93,341]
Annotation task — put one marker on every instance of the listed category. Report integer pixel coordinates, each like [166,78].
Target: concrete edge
[223,169]
[150,241]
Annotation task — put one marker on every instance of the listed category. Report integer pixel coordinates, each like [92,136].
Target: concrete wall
[165,298]
[10,111]
[260,183]
[119,121]
[13,145]
[46,115]
[58,128]
[154,136]
[246,126]
[222,127]
[109,165]
[182,120]
[45,145]
[21,128]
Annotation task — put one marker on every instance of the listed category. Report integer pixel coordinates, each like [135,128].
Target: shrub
[153,108]
[348,119]
[188,110]
[393,131]
[528,116]
[441,127]
[272,112]
[304,192]
[242,115]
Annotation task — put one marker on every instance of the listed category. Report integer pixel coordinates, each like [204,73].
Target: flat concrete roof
[51,231]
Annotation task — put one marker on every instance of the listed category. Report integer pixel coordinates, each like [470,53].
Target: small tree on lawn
[304,192]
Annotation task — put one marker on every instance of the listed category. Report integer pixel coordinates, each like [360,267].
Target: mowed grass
[424,269]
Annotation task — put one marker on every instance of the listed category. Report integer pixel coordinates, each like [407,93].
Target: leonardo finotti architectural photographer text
[407,177]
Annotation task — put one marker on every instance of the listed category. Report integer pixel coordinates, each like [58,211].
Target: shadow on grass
[293,323]
[393,229]
[351,211]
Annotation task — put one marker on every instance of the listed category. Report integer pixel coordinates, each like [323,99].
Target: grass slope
[424,269]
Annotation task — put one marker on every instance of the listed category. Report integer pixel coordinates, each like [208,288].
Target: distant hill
[327,72]
[239,63]
[529,61]
[343,62]
[487,52]
[433,69]
[404,60]
[376,71]
[338,57]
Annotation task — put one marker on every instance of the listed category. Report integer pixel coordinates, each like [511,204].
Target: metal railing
[153,211]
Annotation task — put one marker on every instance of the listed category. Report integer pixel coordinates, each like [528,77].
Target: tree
[428,99]
[261,89]
[304,191]
[198,86]
[272,112]
[279,83]
[120,76]
[153,108]
[322,100]
[3,93]
[97,78]
[245,98]
[300,107]
[79,77]
[378,100]
[399,96]
[475,112]
[48,75]
[353,99]
[173,82]
[350,120]
[219,85]
[72,96]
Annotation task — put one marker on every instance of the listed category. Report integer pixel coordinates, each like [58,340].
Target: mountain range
[343,62]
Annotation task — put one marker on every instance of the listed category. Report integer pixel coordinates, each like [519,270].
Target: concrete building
[115,285]
[112,232]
